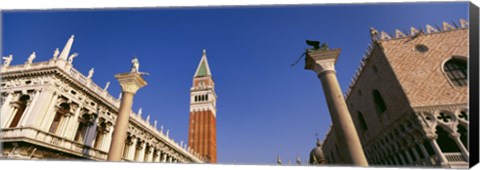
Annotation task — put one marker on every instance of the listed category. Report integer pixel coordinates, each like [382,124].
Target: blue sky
[265,106]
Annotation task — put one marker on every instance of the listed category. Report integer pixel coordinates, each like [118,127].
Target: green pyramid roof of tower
[203,69]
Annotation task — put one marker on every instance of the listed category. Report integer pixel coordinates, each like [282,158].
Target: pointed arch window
[379,102]
[456,71]
[444,141]
[363,124]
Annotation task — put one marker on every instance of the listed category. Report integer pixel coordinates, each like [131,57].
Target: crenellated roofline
[414,32]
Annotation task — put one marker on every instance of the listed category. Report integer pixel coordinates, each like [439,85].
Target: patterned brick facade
[420,74]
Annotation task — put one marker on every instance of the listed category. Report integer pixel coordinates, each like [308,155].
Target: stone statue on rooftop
[90,73]
[31,58]
[7,60]
[106,86]
[70,59]
[135,65]
[56,53]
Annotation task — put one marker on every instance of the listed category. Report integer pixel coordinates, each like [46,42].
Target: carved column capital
[131,82]
[455,135]
[140,144]
[321,61]
[432,136]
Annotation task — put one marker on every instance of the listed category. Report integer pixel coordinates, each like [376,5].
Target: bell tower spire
[203,69]
[202,131]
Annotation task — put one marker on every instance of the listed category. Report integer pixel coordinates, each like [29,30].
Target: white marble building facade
[49,110]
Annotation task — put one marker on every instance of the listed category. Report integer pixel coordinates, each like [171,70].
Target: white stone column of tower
[323,62]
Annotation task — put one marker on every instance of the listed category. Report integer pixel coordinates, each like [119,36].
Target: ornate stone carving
[131,82]
[140,144]
[321,60]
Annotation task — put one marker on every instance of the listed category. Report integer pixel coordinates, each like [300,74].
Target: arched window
[62,110]
[456,71]
[379,103]
[363,124]
[206,97]
[20,106]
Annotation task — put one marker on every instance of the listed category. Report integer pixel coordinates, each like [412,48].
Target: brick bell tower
[202,134]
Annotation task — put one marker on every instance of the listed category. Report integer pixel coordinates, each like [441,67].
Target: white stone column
[49,113]
[164,157]
[28,110]
[132,149]
[141,152]
[6,109]
[322,62]
[149,153]
[441,157]
[157,158]
[40,108]
[107,140]
[64,125]
[10,117]
[130,83]
[456,138]
[169,159]
[72,125]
